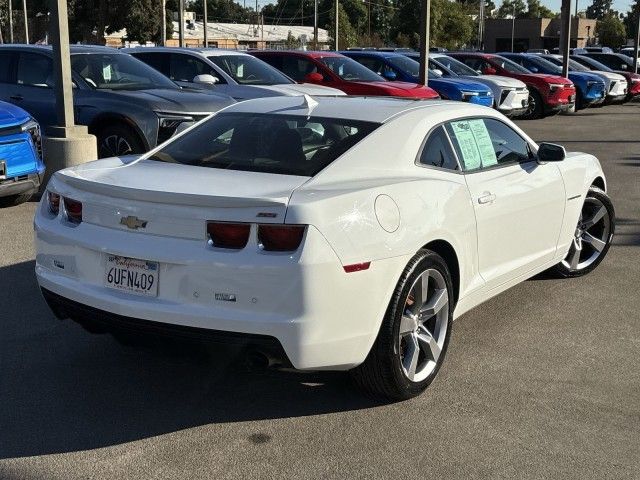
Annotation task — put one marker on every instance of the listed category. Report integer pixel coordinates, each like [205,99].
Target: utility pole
[10,22]
[635,57]
[163,34]
[336,30]
[513,27]
[565,35]
[26,21]
[206,38]
[425,19]
[181,23]
[315,25]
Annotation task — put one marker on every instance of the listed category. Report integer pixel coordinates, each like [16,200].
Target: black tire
[579,101]
[562,269]
[536,107]
[13,200]
[382,374]
[117,140]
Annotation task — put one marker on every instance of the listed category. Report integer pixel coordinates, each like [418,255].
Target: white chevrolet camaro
[333,233]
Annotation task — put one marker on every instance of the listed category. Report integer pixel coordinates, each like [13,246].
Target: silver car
[129,106]
[234,73]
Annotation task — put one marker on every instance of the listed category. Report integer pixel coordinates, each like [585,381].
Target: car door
[33,89]
[8,60]
[519,203]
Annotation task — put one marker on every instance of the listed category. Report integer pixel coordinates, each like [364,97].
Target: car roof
[217,52]
[73,48]
[305,53]
[368,109]
[374,53]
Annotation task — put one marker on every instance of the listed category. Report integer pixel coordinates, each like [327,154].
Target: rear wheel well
[447,252]
[108,120]
[598,182]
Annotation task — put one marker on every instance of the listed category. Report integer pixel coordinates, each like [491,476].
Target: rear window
[271,143]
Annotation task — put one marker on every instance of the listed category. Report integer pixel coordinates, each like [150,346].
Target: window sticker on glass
[467,143]
[484,143]
[106,73]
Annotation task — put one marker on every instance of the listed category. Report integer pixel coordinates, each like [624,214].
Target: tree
[611,31]
[509,7]
[631,20]
[536,10]
[599,9]
[224,11]
[347,35]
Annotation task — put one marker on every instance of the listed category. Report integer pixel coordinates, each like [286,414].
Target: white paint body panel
[373,204]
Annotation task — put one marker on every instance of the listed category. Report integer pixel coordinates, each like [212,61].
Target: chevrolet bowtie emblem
[132,222]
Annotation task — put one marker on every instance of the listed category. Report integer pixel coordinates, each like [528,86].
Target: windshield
[407,65]
[455,66]
[350,70]
[270,143]
[573,65]
[118,71]
[545,65]
[509,66]
[248,70]
[594,64]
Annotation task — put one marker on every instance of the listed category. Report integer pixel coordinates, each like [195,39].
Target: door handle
[16,97]
[486,198]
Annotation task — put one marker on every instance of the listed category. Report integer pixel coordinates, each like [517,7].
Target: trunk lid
[173,200]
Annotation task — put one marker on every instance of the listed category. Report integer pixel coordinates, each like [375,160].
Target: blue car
[21,165]
[396,66]
[590,88]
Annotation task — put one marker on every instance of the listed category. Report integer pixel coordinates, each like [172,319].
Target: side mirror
[438,71]
[550,152]
[489,71]
[314,77]
[205,79]
[390,75]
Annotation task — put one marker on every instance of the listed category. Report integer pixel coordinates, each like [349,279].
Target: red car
[337,71]
[548,94]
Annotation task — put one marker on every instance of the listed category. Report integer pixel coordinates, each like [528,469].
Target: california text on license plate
[132,275]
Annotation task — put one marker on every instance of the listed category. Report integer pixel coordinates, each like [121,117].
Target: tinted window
[184,68]
[34,70]
[486,143]
[406,65]
[350,70]
[510,66]
[117,71]
[437,151]
[248,70]
[157,60]
[454,66]
[6,65]
[272,143]
[297,67]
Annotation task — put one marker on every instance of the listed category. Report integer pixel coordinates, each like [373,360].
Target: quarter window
[184,68]
[34,70]
[485,143]
[437,151]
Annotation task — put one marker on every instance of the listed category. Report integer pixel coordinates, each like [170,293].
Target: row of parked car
[134,99]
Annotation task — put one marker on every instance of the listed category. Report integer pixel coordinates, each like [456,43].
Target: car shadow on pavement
[63,390]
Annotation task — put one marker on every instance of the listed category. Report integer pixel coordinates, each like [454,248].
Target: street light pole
[425,20]
[565,35]
[635,57]
[163,35]
[206,38]
[26,21]
[181,23]
[513,27]
[336,31]
[481,25]
[10,22]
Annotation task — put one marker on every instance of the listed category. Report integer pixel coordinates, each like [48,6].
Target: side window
[297,68]
[34,70]
[184,68]
[485,143]
[474,63]
[372,64]
[437,151]
[7,60]
[157,60]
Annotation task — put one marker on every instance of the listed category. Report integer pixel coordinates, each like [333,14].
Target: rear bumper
[322,317]
[20,185]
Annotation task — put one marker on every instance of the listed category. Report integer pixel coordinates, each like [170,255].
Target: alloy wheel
[591,236]
[423,326]
[115,146]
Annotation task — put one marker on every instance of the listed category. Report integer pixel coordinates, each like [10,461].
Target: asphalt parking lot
[541,382]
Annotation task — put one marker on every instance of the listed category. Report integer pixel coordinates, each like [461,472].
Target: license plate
[132,275]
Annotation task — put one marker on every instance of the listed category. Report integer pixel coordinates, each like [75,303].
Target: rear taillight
[228,235]
[53,201]
[73,209]
[280,238]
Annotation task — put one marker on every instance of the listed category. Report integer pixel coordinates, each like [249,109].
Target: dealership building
[534,33]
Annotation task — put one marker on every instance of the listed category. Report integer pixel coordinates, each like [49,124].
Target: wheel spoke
[574,257]
[595,217]
[437,301]
[428,343]
[407,324]
[596,243]
[411,355]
